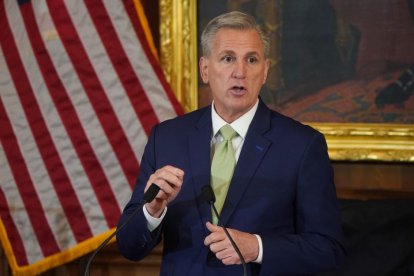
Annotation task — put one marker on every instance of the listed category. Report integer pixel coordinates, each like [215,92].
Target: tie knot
[228,132]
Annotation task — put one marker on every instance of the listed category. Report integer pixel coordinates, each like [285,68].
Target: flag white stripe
[18,210]
[89,120]
[142,67]
[37,170]
[91,125]
[106,73]
[41,180]
[76,172]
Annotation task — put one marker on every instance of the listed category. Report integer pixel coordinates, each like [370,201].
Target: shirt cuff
[260,256]
[153,223]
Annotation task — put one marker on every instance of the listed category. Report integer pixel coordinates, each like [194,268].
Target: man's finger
[212,228]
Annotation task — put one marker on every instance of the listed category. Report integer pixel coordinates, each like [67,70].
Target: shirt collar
[241,125]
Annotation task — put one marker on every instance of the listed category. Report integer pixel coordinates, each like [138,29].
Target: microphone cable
[148,197]
[209,196]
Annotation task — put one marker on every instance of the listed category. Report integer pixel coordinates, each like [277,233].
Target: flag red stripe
[125,72]
[131,11]
[75,130]
[94,90]
[11,229]
[24,183]
[122,65]
[39,129]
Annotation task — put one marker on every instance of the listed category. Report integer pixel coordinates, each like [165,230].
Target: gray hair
[232,20]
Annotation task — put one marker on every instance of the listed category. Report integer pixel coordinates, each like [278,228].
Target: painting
[345,67]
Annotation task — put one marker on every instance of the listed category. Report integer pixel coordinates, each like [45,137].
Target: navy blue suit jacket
[282,189]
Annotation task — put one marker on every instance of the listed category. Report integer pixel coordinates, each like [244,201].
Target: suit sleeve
[316,246]
[135,241]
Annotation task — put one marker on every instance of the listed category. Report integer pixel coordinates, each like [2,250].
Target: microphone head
[151,193]
[208,194]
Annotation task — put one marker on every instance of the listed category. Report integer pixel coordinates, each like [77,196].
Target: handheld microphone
[209,196]
[149,196]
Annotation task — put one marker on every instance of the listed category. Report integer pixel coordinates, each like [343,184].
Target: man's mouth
[238,89]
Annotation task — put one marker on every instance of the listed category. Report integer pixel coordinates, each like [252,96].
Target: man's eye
[228,58]
[251,59]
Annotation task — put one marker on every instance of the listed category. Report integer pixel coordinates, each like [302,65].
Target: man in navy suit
[281,207]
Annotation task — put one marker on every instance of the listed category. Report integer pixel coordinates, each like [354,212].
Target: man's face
[235,70]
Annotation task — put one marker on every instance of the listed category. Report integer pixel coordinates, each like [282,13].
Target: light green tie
[222,167]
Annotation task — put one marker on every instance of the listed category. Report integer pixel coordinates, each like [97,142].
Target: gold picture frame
[346,141]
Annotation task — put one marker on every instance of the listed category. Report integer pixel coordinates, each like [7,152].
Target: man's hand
[169,179]
[221,245]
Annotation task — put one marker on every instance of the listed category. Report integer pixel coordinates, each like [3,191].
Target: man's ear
[203,65]
[266,70]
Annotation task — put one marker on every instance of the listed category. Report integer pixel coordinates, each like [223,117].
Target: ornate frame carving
[346,141]
[178,43]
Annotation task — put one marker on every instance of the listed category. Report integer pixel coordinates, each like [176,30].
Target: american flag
[80,90]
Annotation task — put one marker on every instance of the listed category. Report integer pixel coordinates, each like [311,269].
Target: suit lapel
[254,149]
[199,157]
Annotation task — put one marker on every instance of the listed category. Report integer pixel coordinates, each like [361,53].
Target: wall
[376,180]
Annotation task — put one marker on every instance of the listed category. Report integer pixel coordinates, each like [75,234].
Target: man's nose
[239,70]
